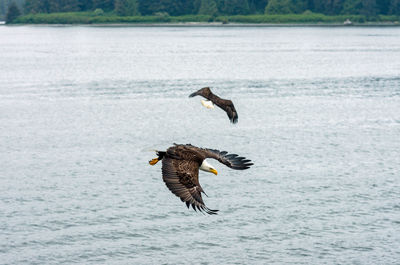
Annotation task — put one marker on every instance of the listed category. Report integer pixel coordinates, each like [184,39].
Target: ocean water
[82,108]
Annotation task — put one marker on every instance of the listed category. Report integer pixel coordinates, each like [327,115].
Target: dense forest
[208,7]
[5,4]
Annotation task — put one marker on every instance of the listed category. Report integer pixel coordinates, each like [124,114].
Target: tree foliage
[208,7]
[12,13]
[369,8]
[286,7]
[236,7]
[279,7]
[172,7]
[394,8]
[5,4]
[126,7]
[257,6]
[106,5]
[362,7]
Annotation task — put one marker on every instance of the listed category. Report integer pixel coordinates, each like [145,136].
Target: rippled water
[319,115]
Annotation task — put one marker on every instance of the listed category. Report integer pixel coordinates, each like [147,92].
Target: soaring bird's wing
[229,108]
[182,178]
[204,92]
[224,104]
[231,160]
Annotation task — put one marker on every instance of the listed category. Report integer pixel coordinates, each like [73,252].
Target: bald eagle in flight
[180,171]
[224,104]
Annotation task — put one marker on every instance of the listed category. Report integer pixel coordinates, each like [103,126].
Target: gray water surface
[319,115]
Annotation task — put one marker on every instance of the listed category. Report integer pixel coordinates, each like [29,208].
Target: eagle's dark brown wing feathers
[232,114]
[181,178]
[172,153]
[231,160]
[224,104]
[228,107]
[180,171]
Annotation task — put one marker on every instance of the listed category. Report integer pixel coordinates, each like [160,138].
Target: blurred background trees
[12,12]
[368,8]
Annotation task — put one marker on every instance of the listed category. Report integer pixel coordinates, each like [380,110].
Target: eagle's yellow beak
[214,171]
[153,161]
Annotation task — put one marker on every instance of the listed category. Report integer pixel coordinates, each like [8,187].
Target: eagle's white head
[207,103]
[205,166]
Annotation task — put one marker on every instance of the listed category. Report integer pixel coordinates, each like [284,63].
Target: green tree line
[209,7]
[5,5]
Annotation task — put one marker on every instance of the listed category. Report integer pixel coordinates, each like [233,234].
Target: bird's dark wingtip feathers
[201,208]
[238,162]
[211,212]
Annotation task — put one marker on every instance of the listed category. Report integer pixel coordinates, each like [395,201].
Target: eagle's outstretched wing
[228,107]
[182,179]
[231,160]
[224,104]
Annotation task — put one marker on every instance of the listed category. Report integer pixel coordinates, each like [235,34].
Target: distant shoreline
[207,24]
[284,20]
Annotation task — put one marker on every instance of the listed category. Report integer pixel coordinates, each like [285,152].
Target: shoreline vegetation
[198,20]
